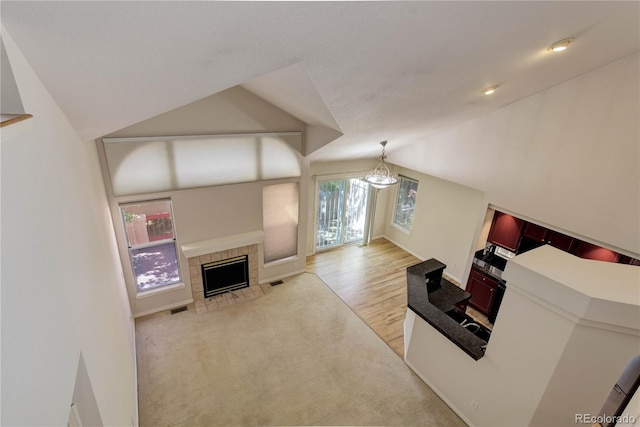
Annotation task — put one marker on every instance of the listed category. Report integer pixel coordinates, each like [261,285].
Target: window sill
[281,261]
[401,229]
[161,290]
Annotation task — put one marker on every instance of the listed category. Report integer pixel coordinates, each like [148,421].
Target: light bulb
[561,45]
[489,90]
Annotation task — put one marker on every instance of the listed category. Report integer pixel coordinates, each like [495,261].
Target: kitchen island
[440,303]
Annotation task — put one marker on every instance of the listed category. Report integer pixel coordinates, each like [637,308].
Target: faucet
[471,324]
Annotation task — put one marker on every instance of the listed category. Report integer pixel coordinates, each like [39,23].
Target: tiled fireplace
[206,252]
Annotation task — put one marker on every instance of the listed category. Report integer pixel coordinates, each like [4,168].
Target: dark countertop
[431,306]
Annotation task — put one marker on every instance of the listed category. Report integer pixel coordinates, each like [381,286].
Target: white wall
[444,221]
[10,102]
[62,287]
[208,213]
[211,212]
[566,157]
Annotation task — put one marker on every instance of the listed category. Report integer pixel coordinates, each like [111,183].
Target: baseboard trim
[457,279]
[164,307]
[282,276]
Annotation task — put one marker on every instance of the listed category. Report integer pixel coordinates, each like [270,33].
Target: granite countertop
[431,306]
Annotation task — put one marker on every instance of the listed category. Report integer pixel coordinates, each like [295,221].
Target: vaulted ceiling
[363,71]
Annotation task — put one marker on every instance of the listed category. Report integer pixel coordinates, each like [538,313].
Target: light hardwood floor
[372,281]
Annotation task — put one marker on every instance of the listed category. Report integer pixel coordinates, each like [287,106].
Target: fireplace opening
[227,275]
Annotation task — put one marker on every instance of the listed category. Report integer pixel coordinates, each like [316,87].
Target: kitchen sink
[470,324]
[483,333]
[458,316]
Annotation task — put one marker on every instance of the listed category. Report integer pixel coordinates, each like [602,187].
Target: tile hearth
[254,290]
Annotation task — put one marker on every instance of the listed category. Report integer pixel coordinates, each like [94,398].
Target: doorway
[342,211]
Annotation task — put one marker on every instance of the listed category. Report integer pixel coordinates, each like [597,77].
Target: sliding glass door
[342,209]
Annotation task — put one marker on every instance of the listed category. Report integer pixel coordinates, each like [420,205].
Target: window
[342,211]
[154,164]
[280,221]
[152,243]
[405,203]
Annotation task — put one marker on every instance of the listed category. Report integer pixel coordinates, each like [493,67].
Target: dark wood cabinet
[506,231]
[520,236]
[535,232]
[535,235]
[462,306]
[483,290]
[560,241]
[628,260]
[589,251]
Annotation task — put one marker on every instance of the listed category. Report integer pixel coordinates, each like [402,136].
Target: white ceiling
[396,71]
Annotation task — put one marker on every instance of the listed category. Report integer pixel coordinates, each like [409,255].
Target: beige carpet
[295,356]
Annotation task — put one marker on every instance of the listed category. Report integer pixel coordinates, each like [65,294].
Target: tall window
[280,221]
[152,243]
[342,210]
[405,203]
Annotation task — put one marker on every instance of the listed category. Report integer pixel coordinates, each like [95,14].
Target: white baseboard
[457,279]
[402,247]
[282,276]
[166,307]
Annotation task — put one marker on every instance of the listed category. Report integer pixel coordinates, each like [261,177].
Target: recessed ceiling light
[489,90]
[561,45]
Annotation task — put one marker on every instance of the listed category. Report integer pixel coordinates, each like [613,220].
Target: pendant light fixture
[381,176]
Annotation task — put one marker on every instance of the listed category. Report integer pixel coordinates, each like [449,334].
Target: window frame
[141,293]
[395,224]
[351,181]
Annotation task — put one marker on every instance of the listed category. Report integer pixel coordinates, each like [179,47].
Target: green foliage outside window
[405,203]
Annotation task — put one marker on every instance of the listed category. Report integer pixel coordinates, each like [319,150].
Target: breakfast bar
[438,301]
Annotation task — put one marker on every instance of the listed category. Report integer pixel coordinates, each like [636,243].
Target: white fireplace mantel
[222,243]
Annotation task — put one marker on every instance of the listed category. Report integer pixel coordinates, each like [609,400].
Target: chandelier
[381,177]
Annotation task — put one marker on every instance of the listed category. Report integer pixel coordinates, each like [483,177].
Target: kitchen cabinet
[589,251]
[506,231]
[462,306]
[482,290]
[560,241]
[628,260]
[535,232]
[521,236]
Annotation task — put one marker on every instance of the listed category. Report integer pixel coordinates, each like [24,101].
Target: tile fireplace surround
[220,249]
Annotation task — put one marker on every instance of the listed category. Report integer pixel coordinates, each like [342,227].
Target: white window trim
[333,177]
[401,229]
[151,244]
[288,260]
[159,290]
[162,288]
